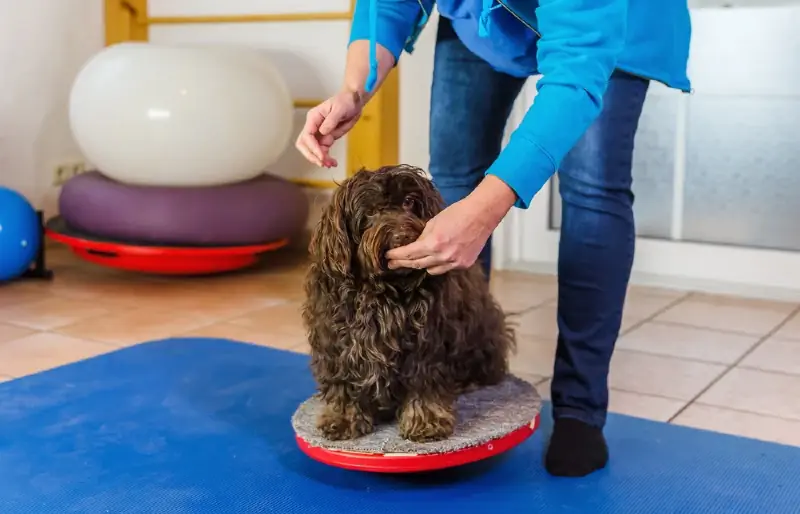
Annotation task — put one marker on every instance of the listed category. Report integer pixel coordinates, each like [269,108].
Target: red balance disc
[412,463]
[161,260]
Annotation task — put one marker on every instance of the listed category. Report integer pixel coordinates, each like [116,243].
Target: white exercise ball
[172,115]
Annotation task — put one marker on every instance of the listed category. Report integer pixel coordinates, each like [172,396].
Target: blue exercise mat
[203,426]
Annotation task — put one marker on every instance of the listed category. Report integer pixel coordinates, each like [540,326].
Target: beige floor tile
[631,404]
[45,350]
[221,307]
[641,305]
[18,293]
[534,356]
[791,330]
[531,378]
[280,319]
[50,313]
[745,424]
[742,316]
[643,406]
[738,301]
[303,347]
[541,322]
[775,354]
[656,291]
[247,335]
[137,326]
[517,292]
[543,388]
[658,375]
[687,342]
[286,287]
[761,392]
[114,291]
[11,332]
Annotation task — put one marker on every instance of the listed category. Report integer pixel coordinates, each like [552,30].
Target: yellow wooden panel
[123,21]
[374,141]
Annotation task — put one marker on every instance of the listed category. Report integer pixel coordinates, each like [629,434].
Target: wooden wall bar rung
[247,18]
[306,103]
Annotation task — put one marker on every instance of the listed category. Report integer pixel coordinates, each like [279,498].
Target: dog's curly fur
[394,343]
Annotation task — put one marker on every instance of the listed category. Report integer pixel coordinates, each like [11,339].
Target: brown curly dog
[394,343]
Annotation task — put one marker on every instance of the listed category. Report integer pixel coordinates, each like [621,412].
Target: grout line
[718,330]
[654,315]
[736,362]
[770,371]
[628,391]
[675,357]
[743,411]
[532,308]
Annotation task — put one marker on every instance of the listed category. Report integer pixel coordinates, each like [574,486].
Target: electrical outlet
[65,171]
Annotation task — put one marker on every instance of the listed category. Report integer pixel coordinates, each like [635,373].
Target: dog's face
[371,213]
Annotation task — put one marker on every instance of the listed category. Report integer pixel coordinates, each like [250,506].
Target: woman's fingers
[440,270]
[344,127]
[431,261]
[324,125]
[305,143]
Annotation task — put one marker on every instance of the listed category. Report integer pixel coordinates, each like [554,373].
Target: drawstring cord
[485,18]
[372,78]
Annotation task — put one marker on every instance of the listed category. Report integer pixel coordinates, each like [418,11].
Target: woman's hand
[455,238]
[326,123]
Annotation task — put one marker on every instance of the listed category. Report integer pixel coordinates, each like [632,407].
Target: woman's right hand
[326,123]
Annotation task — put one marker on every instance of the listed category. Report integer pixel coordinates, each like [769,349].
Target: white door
[716,173]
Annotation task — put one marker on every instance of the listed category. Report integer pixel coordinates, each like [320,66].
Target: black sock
[576,449]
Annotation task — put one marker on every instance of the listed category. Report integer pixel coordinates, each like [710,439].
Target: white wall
[43,44]
[416,73]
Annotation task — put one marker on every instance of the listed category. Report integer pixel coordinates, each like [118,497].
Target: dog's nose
[398,239]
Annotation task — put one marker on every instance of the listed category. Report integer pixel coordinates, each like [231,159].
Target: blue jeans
[470,105]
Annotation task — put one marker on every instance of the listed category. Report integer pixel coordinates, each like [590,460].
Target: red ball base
[410,463]
[160,260]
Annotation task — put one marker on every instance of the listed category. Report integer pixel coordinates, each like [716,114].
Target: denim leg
[595,252]
[470,104]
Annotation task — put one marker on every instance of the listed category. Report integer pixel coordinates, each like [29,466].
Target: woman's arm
[357,69]
[577,54]
[394,28]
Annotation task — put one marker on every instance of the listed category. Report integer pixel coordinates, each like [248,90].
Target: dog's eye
[409,202]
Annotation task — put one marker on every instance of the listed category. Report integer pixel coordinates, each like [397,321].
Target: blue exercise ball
[20,234]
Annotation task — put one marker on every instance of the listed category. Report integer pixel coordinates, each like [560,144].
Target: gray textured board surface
[483,415]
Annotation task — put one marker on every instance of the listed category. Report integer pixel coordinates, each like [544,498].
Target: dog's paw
[423,422]
[340,426]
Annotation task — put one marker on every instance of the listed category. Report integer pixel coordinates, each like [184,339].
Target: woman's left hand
[455,237]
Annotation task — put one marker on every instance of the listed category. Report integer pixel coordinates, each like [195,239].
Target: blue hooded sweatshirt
[574,44]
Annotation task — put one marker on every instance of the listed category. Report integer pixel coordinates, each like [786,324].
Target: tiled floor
[719,363]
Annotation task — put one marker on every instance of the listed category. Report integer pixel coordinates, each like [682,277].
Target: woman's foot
[576,449]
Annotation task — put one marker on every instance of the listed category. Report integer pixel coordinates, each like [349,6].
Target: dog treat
[483,415]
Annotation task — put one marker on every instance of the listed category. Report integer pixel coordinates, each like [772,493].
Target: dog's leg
[343,418]
[428,418]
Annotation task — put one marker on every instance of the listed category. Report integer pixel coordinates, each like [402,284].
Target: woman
[595,58]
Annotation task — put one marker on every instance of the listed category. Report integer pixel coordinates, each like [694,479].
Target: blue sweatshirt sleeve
[399,22]
[577,54]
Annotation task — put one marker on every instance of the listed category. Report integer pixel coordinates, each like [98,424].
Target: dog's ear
[330,244]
